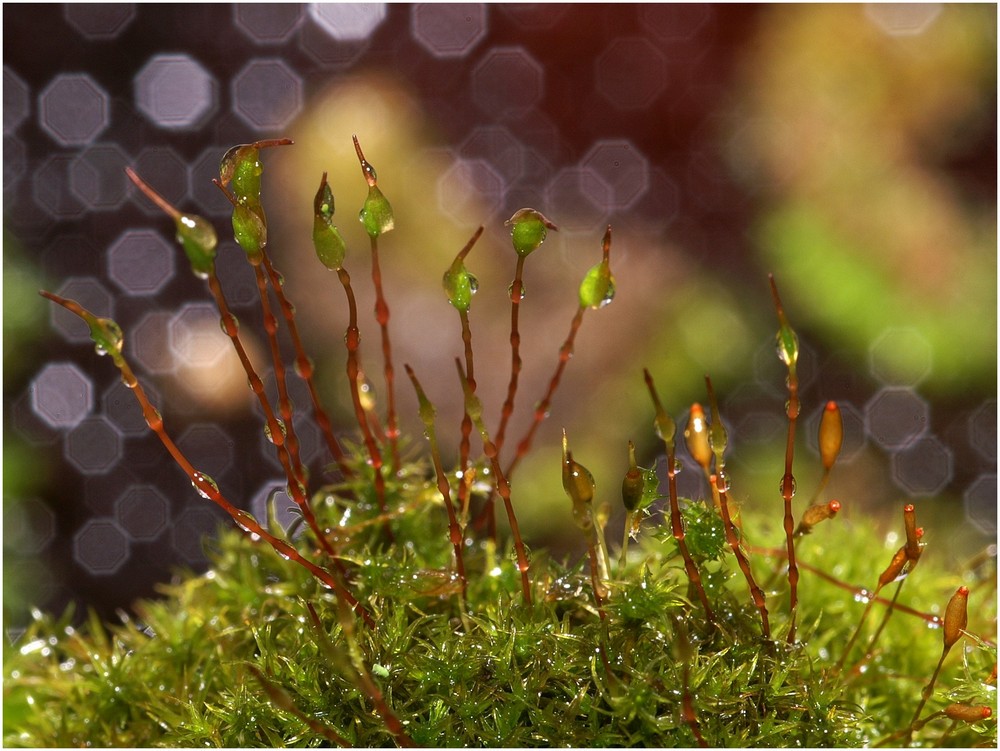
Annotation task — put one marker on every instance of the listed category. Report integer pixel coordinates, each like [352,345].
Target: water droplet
[863,596]
[510,291]
[678,467]
[935,622]
[230,325]
[269,435]
[201,477]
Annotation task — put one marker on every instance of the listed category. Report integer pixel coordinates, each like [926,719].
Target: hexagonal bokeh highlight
[448,29]
[141,262]
[122,409]
[630,73]
[167,173]
[900,357]
[580,205]
[267,23]
[347,21]
[498,147]
[902,19]
[97,176]
[73,109]
[267,93]
[143,512]
[62,395]
[674,22]
[329,52]
[101,547]
[50,188]
[924,467]
[507,82]
[100,20]
[980,500]
[92,295]
[895,417]
[467,188]
[16,100]
[620,166]
[149,342]
[208,447]
[15,161]
[195,336]
[983,430]
[94,446]
[175,92]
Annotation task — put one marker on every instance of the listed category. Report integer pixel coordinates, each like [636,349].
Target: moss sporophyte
[393,621]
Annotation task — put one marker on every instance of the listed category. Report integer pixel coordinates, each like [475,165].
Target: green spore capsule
[327,240]
[598,286]
[107,336]
[376,214]
[579,485]
[528,229]
[460,286]
[633,482]
[786,339]
[197,236]
[241,166]
[250,232]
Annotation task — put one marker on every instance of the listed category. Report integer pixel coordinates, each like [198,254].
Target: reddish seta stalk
[205,486]
[788,349]
[666,429]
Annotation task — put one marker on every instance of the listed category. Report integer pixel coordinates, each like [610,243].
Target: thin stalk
[352,338]
[788,350]
[382,316]
[516,295]
[291,440]
[206,486]
[475,410]
[734,543]
[687,700]
[455,531]
[230,325]
[666,429]
[304,368]
[542,409]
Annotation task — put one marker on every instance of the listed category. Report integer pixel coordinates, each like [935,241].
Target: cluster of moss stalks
[391,617]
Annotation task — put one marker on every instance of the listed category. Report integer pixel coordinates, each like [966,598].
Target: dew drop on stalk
[510,290]
[230,324]
[267,430]
[201,477]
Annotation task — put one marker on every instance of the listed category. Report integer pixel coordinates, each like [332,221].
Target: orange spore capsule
[967,712]
[912,539]
[894,569]
[696,437]
[831,434]
[956,617]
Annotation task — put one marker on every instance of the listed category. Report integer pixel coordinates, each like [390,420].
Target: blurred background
[848,149]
